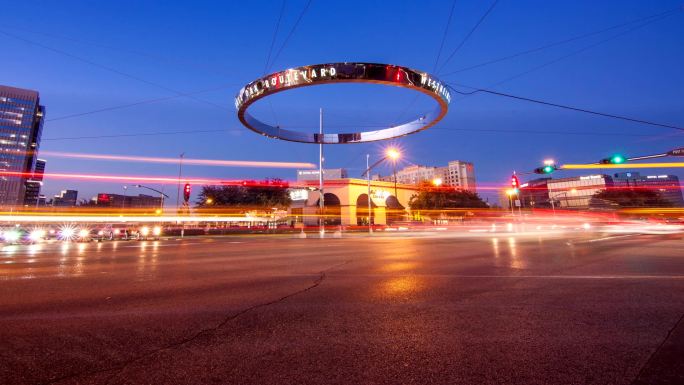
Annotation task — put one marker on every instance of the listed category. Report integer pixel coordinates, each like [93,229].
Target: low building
[127,201]
[535,193]
[328,173]
[667,185]
[577,192]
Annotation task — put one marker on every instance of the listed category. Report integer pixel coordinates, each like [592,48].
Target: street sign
[517,203]
[676,152]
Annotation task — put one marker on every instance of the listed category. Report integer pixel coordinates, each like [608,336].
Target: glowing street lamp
[394,154]
[209,201]
[437,182]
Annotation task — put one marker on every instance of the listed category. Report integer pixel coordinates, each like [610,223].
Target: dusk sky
[84,56]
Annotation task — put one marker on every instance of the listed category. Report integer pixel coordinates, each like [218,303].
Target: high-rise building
[460,174]
[457,174]
[33,185]
[21,125]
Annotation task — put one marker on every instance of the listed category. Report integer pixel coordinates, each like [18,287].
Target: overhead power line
[289,35]
[581,50]
[564,41]
[566,107]
[136,134]
[138,103]
[472,30]
[275,35]
[108,68]
[444,35]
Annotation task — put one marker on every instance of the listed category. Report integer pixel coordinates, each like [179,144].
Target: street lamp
[157,191]
[389,154]
[123,203]
[510,192]
[209,201]
[437,182]
[394,155]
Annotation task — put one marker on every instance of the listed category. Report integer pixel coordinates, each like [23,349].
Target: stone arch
[332,210]
[362,215]
[395,211]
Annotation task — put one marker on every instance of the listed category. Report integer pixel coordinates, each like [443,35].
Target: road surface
[582,308]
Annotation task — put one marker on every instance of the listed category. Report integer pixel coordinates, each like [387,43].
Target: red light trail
[186,161]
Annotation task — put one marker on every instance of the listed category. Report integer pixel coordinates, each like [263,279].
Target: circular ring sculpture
[332,73]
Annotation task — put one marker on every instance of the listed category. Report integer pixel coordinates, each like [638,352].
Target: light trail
[197,162]
[624,165]
[124,219]
[147,179]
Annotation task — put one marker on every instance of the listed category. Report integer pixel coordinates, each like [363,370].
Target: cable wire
[566,107]
[107,68]
[289,35]
[446,30]
[561,42]
[465,39]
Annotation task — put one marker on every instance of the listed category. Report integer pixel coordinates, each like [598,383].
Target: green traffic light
[548,169]
[617,159]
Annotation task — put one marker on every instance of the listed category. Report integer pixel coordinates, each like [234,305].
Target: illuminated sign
[317,74]
[299,194]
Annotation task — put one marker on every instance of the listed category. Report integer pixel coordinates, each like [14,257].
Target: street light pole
[321,200]
[370,226]
[394,163]
[123,203]
[161,194]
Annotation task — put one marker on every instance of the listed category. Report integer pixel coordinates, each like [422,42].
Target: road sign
[676,152]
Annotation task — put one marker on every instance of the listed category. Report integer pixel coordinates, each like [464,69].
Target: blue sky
[87,55]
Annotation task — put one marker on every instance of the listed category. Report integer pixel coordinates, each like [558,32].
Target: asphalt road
[506,309]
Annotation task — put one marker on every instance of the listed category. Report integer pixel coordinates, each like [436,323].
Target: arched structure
[353,205]
[364,216]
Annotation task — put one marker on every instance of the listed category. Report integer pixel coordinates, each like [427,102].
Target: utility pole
[321,200]
[180,170]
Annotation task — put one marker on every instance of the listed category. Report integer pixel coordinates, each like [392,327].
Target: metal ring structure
[331,73]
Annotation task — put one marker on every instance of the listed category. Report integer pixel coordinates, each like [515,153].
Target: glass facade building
[33,185]
[21,125]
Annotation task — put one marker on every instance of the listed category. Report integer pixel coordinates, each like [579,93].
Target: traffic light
[548,169]
[515,183]
[615,159]
[186,192]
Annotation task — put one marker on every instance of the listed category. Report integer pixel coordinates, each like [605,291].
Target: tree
[634,197]
[430,197]
[250,194]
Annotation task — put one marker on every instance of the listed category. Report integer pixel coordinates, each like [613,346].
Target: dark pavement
[505,309]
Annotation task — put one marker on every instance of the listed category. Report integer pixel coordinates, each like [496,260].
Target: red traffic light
[515,183]
[186,192]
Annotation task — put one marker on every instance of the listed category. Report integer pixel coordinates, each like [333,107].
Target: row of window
[5,99]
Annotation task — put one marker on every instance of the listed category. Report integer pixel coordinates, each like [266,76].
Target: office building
[67,198]
[328,173]
[577,192]
[667,185]
[127,201]
[21,126]
[456,173]
[535,193]
[33,185]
